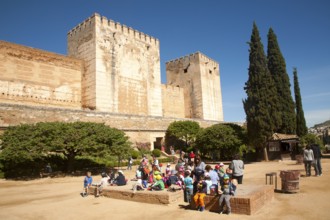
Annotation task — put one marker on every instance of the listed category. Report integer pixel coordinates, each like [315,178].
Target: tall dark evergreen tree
[300,117]
[277,68]
[260,104]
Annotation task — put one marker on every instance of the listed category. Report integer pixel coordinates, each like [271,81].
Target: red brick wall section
[246,205]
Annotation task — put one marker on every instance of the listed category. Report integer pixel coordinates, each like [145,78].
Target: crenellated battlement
[193,57]
[126,30]
[82,26]
[95,18]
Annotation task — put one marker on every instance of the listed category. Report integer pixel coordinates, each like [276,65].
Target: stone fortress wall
[200,77]
[36,77]
[123,67]
[111,75]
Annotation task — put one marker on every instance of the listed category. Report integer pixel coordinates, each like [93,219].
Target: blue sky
[218,28]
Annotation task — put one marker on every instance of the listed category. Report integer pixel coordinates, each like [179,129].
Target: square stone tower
[199,76]
[122,67]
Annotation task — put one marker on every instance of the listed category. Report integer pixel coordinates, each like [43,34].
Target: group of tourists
[194,177]
[112,179]
[312,158]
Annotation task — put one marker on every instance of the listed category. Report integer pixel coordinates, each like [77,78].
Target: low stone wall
[154,197]
[248,200]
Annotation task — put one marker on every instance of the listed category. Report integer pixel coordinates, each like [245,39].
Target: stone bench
[163,197]
[248,199]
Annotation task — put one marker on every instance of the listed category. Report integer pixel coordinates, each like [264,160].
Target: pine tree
[277,68]
[260,104]
[300,117]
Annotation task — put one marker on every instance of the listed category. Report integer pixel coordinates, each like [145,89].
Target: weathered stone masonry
[111,75]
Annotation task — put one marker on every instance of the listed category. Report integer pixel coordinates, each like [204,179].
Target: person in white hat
[120,179]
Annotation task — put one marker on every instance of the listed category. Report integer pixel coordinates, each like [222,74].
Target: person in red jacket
[191,156]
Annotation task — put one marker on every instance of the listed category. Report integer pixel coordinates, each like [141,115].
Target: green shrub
[156,152]
[134,154]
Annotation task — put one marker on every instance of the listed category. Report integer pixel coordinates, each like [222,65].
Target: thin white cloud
[316,116]
[314,74]
[322,94]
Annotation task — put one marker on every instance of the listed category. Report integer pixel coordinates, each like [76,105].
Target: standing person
[237,167]
[198,171]
[172,150]
[172,153]
[191,156]
[168,169]
[208,168]
[144,175]
[214,178]
[155,162]
[188,187]
[48,168]
[180,165]
[227,190]
[308,159]
[87,183]
[130,163]
[221,172]
[317,159]
[208,182]
[182,153]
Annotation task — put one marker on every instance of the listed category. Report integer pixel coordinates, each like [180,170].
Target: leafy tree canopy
[224,140]
[183,130]
[32,142]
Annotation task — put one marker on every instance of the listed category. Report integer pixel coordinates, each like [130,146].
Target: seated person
[103,182]
[173,180]
[138,185]
[158,185]
[120,179]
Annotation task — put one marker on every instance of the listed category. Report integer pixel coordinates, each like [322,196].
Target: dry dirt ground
[59,198]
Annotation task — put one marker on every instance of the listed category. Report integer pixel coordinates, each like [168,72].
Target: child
[208,182]
[208,168]
[159,185]
[190,166]
[214,177]
[101,184]
[221,172]
[168,170]
[181,178]
[138,185]
[87,183]
[200,194]
[188,186]
[227,190]
[172,180]
[144,175]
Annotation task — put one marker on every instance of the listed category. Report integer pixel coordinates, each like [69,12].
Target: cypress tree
[259,106]
[300,117]
[277,68]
